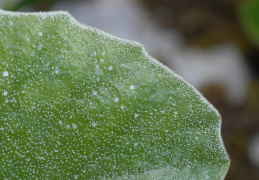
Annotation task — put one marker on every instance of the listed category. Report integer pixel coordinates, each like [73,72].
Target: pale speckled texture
[77,103]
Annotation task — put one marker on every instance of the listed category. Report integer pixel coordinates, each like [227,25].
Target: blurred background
[213,44]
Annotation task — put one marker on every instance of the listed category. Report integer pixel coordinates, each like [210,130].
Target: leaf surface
[77,103]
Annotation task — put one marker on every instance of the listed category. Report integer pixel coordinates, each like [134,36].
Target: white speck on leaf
[5,73]
[110,68]
[94,53]
[94,124]
[74,126]
[40,47]
[132,87]
[57,70]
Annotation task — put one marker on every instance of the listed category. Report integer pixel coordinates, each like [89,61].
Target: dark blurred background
[213,44]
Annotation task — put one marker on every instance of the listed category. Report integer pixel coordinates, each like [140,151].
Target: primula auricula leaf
[77,103]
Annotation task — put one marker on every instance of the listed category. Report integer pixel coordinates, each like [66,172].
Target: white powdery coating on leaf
[96,104]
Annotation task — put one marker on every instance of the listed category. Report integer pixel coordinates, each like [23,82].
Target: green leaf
[77,103]
[248,12]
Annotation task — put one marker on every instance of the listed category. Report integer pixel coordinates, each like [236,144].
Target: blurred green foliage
[40,5]
[249,16]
